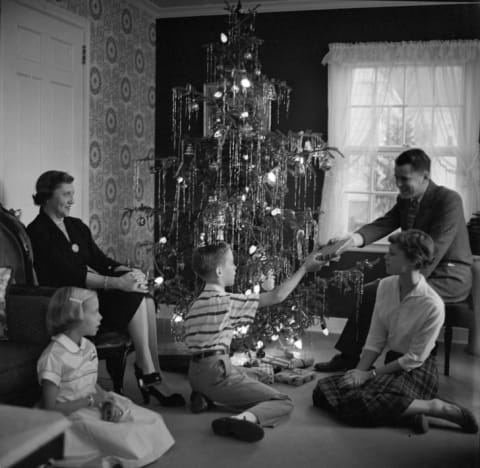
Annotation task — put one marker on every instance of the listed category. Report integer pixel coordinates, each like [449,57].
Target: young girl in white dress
[105,425]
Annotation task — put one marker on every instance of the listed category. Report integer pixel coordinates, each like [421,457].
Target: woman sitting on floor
[407,319]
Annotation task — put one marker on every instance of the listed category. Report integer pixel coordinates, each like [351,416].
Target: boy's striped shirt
[214,316]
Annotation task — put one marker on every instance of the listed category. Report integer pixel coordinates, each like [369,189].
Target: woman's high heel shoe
[175,399]
[141,385]
[146,386]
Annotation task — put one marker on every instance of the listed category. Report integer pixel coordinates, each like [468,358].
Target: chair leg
[447,339]
[116,368]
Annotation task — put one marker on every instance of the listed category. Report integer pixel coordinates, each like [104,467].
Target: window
[386,97]
[407,118]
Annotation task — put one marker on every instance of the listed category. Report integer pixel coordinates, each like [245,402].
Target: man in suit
[421,204]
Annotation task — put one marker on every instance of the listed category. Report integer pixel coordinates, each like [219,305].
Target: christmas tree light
[231,184]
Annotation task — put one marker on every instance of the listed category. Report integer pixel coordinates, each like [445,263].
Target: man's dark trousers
[355,333]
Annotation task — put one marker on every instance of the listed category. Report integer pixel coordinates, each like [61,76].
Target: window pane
[444,171]
[445,126]
[449,86]
[358,210]
[363,86]
[384,174]
[358,174]
[419,86]
[390,86]
[391,127]
[418,126]
[382,203]
[360,125]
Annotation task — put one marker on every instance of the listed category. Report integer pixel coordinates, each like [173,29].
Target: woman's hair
[65,308]
[206,259]
[416,157]
[47,183]
[417,246]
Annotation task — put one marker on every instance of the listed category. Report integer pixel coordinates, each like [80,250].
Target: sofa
[25,309]
[27,337]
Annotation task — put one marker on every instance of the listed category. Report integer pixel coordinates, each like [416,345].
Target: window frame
[393,150]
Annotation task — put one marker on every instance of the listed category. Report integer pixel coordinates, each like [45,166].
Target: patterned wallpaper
[122,123]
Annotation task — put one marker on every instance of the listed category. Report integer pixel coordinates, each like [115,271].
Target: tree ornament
[240,179]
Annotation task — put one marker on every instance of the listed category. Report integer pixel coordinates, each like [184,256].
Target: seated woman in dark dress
[66,255]
[407,319]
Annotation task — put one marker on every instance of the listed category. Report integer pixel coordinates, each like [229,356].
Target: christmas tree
[242,183]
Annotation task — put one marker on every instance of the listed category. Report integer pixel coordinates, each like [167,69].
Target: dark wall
[294,45]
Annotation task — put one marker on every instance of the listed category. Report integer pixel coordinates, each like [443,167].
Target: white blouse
[72,368]
[410,326]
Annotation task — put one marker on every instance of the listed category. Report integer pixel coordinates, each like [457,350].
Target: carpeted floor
[313,438]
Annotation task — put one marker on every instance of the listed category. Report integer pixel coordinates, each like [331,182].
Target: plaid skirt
[381,400]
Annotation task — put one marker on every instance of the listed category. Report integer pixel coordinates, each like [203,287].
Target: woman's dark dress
[59,262]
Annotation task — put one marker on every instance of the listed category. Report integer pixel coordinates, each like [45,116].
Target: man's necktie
[412,211]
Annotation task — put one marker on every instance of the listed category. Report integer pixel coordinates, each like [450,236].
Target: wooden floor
[312,438]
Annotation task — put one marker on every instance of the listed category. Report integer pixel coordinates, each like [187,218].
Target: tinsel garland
[242,183]
[288,321]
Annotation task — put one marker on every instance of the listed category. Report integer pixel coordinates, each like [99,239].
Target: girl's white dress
[138,439]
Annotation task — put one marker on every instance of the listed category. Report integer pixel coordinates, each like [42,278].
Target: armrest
[23,290]
[474,337]
[26,309]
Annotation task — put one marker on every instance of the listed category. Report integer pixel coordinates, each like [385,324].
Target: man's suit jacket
[440,215]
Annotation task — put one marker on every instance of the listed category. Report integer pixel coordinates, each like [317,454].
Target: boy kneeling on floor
[209,327]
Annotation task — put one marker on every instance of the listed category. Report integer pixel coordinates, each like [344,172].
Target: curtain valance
[407,52]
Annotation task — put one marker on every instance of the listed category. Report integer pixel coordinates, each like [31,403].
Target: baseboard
[335,326]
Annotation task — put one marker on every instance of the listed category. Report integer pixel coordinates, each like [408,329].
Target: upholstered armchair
[26,306]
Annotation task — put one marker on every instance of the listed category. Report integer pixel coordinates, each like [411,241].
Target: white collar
[417,290]
[68,343]
[214,287]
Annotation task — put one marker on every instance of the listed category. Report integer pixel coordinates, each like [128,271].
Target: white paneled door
[43,102]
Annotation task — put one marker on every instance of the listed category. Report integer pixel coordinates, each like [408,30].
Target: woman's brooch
[75,248]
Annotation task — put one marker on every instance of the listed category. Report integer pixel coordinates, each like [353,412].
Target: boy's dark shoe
[238,428]
[199,403]
[339,362]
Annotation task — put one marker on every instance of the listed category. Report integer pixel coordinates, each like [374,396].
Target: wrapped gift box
[294,376]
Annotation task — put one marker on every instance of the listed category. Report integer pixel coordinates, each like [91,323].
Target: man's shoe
[339,362]
[238,428]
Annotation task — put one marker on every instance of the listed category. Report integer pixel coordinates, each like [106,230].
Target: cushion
[18,372]
[5,276]
[26,319]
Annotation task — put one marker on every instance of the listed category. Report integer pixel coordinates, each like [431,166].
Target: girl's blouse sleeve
[49,367]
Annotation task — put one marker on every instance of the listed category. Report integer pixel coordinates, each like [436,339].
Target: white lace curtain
[441,92]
